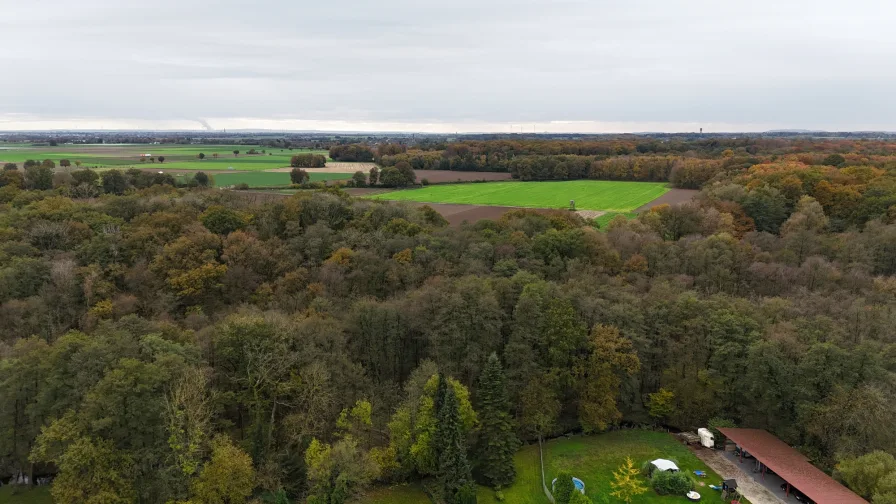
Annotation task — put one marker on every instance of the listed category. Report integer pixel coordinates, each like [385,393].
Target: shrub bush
[671,483]
[563,488]
[647,469]
[298,176]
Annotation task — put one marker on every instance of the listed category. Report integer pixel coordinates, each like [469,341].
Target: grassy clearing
[588,194]
[38,495]
[177,157]
[605,219]
[589,458]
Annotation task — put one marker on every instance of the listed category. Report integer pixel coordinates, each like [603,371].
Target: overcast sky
[460,65]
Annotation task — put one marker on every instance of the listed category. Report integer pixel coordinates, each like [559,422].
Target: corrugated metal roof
[792,466]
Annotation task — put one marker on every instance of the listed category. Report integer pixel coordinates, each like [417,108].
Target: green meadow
[605,219]
[177,157]
[588,194]
[10,494]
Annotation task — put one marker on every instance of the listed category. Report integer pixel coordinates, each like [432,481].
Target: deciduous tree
[359,179]
[600,376]
[223,221]
[661,404]
[114,182]
[39,177]
[298,176]
[864,474]
[93,471]
[627,482]
[227,478]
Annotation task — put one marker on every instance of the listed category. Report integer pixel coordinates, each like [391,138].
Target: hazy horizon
[77,126]
[485,67]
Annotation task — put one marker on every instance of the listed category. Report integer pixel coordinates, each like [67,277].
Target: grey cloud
[809,64]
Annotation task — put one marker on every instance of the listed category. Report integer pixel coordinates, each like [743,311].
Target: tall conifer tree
[454,469]
[439,413]
[497,438]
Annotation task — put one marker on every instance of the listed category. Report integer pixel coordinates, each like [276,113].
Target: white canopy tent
[664,465]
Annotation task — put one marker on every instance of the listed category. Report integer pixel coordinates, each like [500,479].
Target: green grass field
[588,194]
[263,179]
[177,157]
[38,495]
[605,219]
[589,458]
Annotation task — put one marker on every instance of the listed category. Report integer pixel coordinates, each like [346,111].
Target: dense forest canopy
[164,344]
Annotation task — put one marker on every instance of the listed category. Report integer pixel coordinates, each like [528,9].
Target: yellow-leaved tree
[228,477]
[627,483]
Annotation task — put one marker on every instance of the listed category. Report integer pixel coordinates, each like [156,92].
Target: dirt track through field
[365,191]
[457,214]
[672,198]
[445,176]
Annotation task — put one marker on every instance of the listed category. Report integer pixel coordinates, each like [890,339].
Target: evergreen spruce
[563,488]
[454,470]
[497,438]
[439,412]
[439,399]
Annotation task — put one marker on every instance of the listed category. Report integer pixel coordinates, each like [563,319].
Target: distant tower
[701,131]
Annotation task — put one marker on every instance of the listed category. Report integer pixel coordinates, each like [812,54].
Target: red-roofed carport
[792,466]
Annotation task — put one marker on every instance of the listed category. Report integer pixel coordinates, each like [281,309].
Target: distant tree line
[689,173]
[352,153]
[364,152]
[308,161]
[87,183]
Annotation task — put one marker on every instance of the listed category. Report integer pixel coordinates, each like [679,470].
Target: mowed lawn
[589,458]
[588,194]
[17,495]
